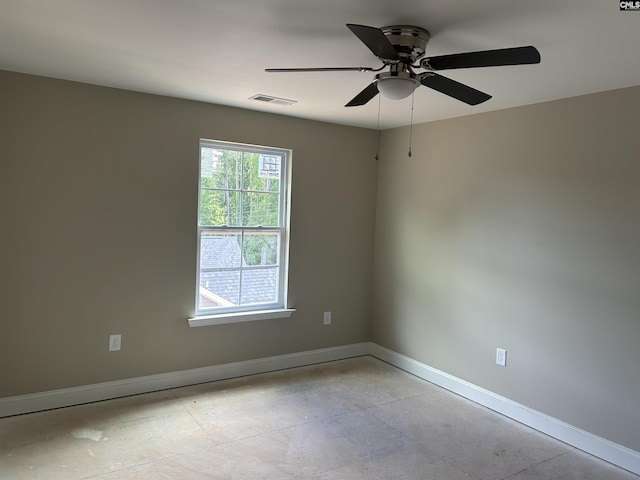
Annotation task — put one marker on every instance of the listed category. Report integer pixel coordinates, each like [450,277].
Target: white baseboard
[597,446]
[585,441]
[132,386]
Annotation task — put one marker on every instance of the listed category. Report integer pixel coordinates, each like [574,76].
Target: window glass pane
[260,249]
[260,285]
[220,250]
[220,261]
[271,185]
[270,169]
[220,207]
[262,172]
[218,289]
[220,169]
[260,209]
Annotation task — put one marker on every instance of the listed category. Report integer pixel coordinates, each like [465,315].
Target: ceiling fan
[399,47]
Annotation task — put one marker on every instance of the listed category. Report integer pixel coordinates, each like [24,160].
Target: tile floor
[352,419]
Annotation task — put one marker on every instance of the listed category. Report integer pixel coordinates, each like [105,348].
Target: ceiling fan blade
[322,69]
[375,40]
[485,58]
[364,96]
[454,89]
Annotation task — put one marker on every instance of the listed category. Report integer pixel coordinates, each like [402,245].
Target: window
[242,229]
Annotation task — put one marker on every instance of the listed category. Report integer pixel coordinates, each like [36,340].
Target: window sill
[223,318]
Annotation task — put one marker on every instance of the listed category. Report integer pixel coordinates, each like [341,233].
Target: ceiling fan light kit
[401,47]
[398,86]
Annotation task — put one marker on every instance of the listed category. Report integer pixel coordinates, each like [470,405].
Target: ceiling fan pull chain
[413,95]
[378,139]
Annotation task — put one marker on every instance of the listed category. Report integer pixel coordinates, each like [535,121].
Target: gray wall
[515,229]
[98,218]
[520,229]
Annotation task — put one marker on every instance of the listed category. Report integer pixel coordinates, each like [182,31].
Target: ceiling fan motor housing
[410,42]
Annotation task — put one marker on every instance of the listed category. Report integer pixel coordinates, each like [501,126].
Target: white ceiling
[216,50]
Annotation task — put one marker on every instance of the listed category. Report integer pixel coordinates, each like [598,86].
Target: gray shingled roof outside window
[259,285]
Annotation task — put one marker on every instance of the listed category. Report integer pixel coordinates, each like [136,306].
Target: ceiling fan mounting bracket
[410,42]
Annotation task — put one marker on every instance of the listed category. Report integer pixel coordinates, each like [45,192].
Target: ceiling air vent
[274,100]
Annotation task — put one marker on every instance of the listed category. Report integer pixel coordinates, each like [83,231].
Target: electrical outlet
[115,342]
[327,318]
[501,357]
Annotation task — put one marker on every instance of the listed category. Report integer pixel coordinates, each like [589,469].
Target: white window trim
[222,318]
[262,312]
